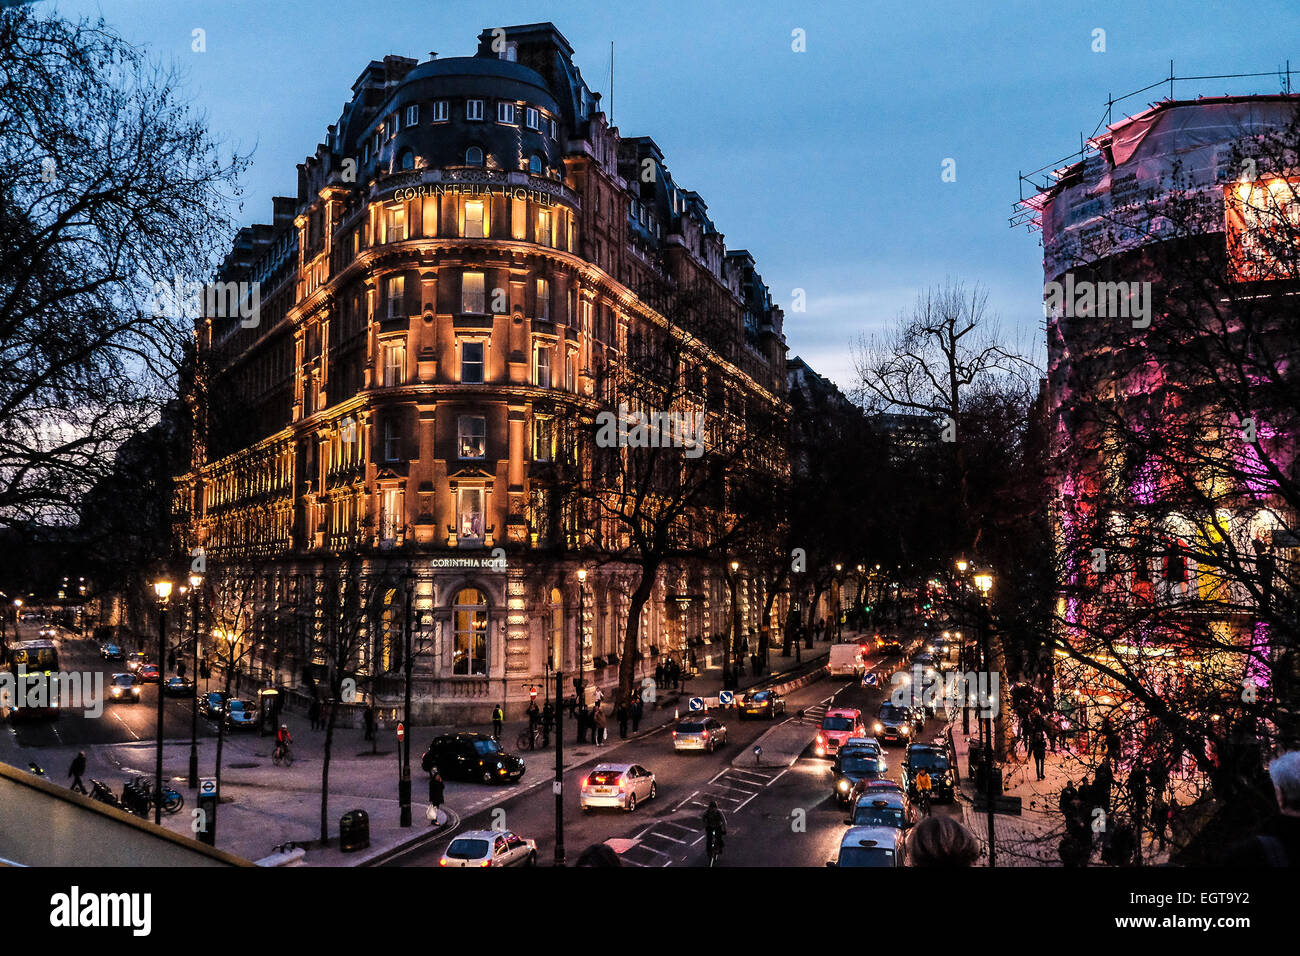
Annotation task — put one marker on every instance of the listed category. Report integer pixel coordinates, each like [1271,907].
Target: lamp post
[962,664]
[984,582]
[404,784]
[839,602]
[163,590]
[196,582]
[558,785]
[733,643]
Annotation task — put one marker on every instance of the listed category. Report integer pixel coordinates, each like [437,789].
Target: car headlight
[906,729]
[844,785]
[879,727]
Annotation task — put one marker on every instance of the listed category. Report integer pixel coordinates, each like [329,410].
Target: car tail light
[622,785]
[586,782]
[486,863]
[442,862]
[706,735]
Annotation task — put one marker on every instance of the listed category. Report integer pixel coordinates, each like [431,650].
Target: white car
[621,785]
[489,848]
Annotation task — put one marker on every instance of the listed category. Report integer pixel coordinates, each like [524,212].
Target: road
[777,815]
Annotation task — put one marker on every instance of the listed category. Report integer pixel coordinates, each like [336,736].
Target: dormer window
[406,159]
[474,156]
[535,164]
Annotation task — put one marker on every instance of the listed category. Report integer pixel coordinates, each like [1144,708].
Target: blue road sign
[869,680]
[697,703]
[725,697]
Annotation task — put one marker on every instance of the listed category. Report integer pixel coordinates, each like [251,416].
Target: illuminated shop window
[471,629]
[471,363]
[472,298]
[471,436]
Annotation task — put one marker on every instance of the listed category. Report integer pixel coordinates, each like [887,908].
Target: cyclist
[715,826]
[923,789]
[282,741]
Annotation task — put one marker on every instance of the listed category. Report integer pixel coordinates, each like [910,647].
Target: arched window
[406,159]
[535,164]
[470,622]
[474,156]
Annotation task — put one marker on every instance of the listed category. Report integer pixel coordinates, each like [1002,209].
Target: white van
[846,660]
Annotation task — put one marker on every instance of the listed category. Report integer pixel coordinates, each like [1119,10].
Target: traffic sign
[207,786]
[726,697]
[697,703]
[401,731]
[869,680]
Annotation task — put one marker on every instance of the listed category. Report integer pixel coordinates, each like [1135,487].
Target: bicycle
[530,739]
[715,851]
[923,802]
[282,756]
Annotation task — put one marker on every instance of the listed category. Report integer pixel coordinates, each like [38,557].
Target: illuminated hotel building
[1121,410]
[467,250]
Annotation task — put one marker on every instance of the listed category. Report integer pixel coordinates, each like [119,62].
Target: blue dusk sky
[826,164]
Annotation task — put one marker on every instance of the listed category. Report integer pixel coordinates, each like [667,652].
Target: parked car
[619,785]
[123,689]
[762,703]
[699,733]
[473,757]
[211,705]
[178,687]
[489,848]
[240,715]
[870,846]
[934,759]
[149,673]
[878,807]
[839,724]
[111,652]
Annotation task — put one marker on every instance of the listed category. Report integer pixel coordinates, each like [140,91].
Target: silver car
[621,785]
[489,848]
[699,733]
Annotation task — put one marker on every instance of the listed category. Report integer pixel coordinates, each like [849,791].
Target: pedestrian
[1138,794]
[548,718]
[598,722]
[76,770]
[171,659]
[1052,727]
[1277,842]
[1039,748]
[368,716]
[534,715]
[436,790]
[1102,783]
[621,713]
[941,841]
[313,713]
[498,721]
[584,721]
[638,708]
[659,674]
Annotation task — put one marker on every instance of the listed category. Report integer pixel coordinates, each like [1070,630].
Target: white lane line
[126,725]
[663,836]
[686,801]
[720,773]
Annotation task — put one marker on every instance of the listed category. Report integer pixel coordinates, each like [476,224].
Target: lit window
[542,366]
[440,111]
[571,372]
[544,228]
[471,436]
[413,114]
[471,512]
[394,362]
[474,156]
[471,293]
[396,222]
[505,112]
[396,296]
[544,299]
[390,513]
[543,438]
[471,615]
[471,363]
[474,221]
[473,109]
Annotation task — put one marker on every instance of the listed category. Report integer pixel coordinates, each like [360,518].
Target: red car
[149,674]
[839,724]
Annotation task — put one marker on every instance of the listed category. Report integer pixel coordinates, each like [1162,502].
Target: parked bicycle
[530,739]
[138,798]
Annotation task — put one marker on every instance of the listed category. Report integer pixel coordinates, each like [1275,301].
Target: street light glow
[163,589]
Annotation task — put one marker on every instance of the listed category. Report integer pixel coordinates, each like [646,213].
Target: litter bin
[354,831]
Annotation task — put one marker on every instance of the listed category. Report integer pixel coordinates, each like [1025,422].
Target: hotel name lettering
[505,191]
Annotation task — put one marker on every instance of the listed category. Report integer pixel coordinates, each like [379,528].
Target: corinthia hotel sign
[504,190]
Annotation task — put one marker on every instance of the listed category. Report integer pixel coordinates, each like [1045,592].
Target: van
[846,660]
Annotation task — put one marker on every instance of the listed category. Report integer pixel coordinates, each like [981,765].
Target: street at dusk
[572,436]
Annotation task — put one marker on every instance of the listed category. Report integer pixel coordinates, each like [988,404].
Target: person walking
[659,674]
[621,713]
[534,715]
[369,719]
[1038,746]
[548,718]
[584,721]
[76,770]
[436,791]
[498,721]
[638,708]
[598,722]
[313,713]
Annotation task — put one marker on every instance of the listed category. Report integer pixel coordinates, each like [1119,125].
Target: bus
[31,658]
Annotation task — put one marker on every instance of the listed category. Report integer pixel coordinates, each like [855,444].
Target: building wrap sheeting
[1109,202]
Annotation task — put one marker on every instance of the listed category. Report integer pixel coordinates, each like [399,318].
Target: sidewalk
[264,805]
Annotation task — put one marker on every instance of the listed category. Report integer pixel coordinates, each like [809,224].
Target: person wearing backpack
[1277,843]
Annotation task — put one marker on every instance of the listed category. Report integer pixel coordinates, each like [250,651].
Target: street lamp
[839,603]
[984,582]
[404,745]
[733,645]
[582,649]
[163,590]
[196,583]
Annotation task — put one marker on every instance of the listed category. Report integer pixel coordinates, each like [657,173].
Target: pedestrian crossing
[814,714]
[676,839]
